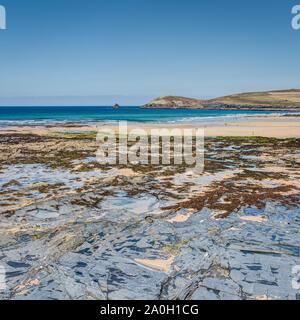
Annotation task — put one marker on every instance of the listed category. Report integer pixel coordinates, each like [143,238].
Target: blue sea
[12,116]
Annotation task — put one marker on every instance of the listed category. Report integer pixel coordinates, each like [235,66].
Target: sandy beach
[264,126]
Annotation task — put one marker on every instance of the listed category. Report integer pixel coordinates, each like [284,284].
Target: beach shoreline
[275,126]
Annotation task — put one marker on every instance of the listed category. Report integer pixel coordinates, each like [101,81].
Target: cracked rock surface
[71,228]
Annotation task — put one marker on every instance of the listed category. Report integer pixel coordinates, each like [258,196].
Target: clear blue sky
[131,50]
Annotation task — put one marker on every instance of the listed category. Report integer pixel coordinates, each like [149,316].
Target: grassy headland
[285,100]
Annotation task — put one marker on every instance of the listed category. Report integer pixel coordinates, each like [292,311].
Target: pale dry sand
[260,297]
[158,264]
[264,126]
[182,217]
[253,218]
[278,129]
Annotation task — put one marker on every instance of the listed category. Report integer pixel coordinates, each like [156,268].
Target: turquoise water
[64,115]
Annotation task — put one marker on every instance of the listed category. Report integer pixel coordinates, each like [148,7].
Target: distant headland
[285,100]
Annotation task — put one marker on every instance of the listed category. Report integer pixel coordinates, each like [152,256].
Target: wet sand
[264,126]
